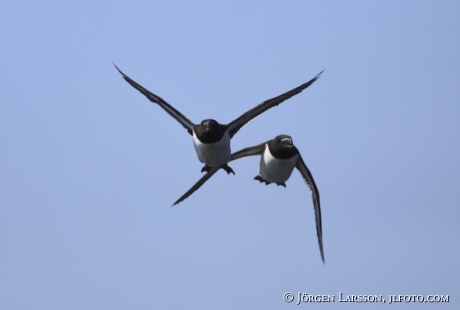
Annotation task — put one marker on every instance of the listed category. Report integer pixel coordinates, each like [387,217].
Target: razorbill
[210,138]
[278,157]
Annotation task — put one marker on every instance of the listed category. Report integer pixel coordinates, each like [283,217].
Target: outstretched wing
[238,123]
[185,122]
[197,185]
[249,151]
[308,178]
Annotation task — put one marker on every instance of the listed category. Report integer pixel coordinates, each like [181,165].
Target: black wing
[158,100]
[197,185]
[306,175]
[249,151]
[264,106]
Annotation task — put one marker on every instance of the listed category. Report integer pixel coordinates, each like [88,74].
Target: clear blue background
[89,167]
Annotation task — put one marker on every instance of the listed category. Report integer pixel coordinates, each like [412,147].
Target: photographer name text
[300,298]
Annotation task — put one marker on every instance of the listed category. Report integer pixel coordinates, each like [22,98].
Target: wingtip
[116,67]
[319,74]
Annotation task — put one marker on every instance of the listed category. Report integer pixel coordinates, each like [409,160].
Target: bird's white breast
[276,170]
[213,154]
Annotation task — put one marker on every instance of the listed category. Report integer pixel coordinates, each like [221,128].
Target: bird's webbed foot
[227,169]
[206,168]
[261,180]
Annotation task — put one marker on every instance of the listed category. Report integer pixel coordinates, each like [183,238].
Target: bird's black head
[209,131]
[282,147]
[284,140]
[209,124]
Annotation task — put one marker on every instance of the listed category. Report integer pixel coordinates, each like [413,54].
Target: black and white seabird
[278,157]
[210,138]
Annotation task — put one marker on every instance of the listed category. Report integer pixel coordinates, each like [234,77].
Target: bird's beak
[287,141]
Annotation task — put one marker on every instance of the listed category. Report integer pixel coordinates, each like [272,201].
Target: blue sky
[89,167]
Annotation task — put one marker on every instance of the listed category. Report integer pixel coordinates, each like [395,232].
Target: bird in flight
[210,138]
[278,158]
